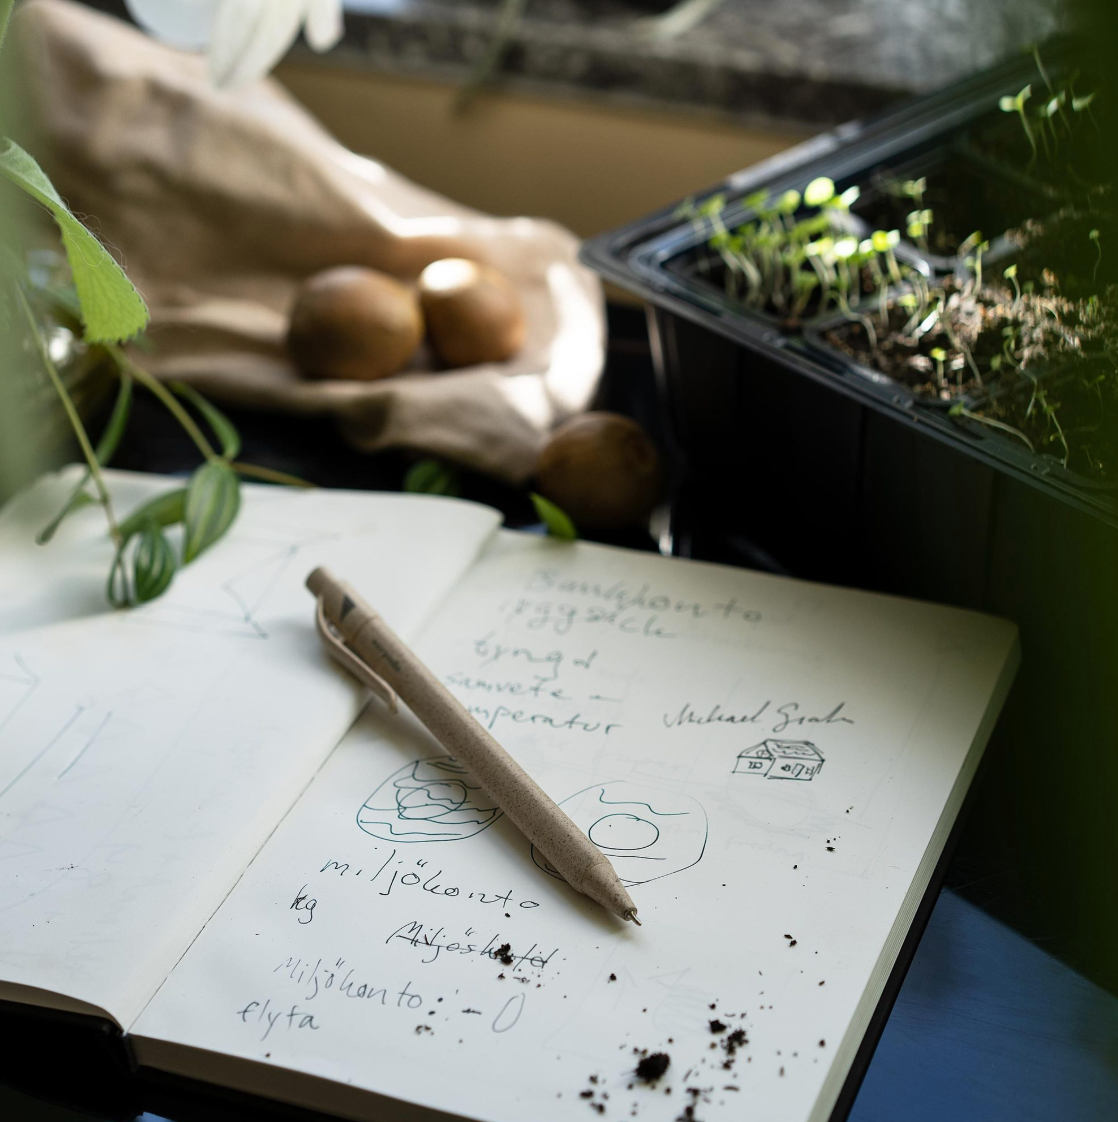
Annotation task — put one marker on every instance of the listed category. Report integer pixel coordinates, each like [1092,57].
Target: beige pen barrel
[573,855]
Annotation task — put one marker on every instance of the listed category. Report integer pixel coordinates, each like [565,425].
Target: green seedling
[939,356]
[1011,275]
[885,242]
[1016,105]
[916,226]
[1096,237]
[960,410]
[819,191]
[973,260]
[1083,105]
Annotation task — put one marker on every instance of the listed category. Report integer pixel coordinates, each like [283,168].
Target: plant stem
[1028,133]
[71,413]
[962,411]
[174,406]
[269,474]
[5,14]
[508,19]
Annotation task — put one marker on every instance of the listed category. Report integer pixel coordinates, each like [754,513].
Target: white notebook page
[146,755]
[765,761]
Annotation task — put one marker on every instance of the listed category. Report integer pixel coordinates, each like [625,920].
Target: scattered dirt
[653,1066]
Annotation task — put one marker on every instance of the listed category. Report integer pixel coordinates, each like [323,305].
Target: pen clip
[337,649]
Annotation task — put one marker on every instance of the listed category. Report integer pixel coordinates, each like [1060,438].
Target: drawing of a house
[780,759]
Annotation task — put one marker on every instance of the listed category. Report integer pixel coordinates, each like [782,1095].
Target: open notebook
[193,845]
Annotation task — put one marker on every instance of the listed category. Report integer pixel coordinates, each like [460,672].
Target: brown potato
[353,323]
[472,311]
[602,470]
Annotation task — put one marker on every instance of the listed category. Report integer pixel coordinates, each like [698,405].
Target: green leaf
[153,564]
[163,510]
[212,501]
[223,428]
[557,522]
[112,309]
[106,446]
[118,588]
[433,477]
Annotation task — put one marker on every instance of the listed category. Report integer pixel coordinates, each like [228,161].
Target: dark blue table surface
[986,1027]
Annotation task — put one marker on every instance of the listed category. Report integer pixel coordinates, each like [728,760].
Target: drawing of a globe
[647,834]
[427,800]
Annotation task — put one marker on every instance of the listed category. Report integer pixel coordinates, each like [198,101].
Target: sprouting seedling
[867,252]
[1083,105]
[914,306]
[1096,237]
[939,357]
[804,285]
[1008,104]
[959,409]
[973,261]
[915,188]
[1046,117]
[846,200]
[789,202]
[1011,274]
[885,242]
[819,191]
[916,226]
[846,252]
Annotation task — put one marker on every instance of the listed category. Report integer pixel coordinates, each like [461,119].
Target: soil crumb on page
[651,1067]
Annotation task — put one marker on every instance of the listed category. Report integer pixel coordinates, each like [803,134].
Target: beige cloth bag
[218,203]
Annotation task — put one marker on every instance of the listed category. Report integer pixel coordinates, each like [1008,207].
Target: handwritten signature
[782,716]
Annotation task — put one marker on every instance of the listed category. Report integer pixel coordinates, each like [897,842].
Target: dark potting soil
[975,321]
[1062,398]
[1068,415]
[1060,249]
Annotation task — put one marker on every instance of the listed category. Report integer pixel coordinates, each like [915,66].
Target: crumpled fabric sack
[218,203]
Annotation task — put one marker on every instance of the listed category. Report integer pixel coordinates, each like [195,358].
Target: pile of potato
[358,324]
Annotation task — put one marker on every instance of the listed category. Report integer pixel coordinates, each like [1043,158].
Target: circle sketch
[647,834]
[432,799]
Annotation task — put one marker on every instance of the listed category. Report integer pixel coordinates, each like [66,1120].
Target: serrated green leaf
[223,428]
[104,451]
[558,523]
[433,477]
[212,501]
[153,564]
[163,510]
[112,309]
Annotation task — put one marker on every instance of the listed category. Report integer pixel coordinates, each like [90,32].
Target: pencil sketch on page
[234,607]
[780,759]
[647,834]
[17,684]
[432,799]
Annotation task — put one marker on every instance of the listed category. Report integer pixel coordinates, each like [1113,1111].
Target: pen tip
[632,915]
